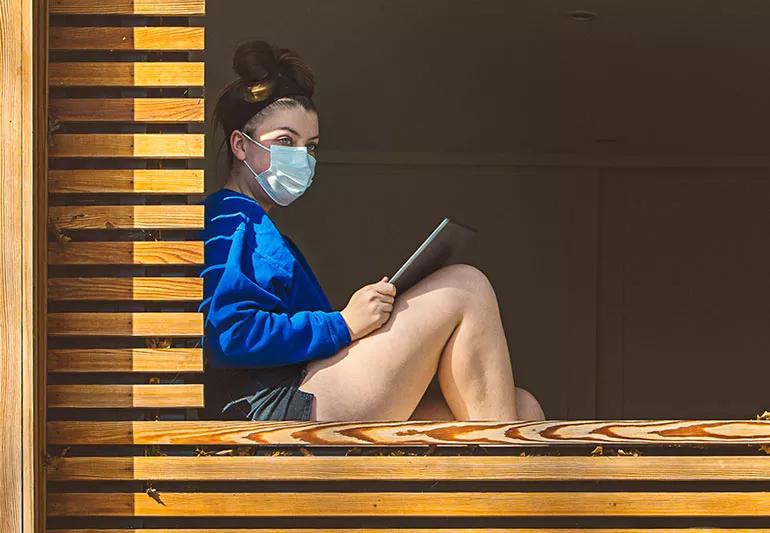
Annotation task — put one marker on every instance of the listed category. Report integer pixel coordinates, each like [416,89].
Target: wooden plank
[126,253]
[411,468]
[140,181]
[399,504]
[140,145]
[128,7]
[127,216]
[164,324]
[141,110]
[126,74]
[23,110]
[545,433]
[125,396]
[126,360]
[126,289]
[127,38]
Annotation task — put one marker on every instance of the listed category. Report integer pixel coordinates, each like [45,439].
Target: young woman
[275,348]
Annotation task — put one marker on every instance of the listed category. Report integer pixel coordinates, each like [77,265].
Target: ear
[237,145]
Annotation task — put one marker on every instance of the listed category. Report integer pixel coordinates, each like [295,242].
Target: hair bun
[258,64]
[255,62]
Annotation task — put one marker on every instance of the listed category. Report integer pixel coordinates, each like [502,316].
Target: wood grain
[139,110]
[125,360]
[399,504]
[551,433]
[126,74]
[127,38]
[411,468]
[127,217]
[164,324]
[125,396]
[126,253]
[140,181]
[23,111]
[128,7]
[126,289]
[139,145]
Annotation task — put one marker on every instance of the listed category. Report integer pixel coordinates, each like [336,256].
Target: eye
[287,139]
[311,147]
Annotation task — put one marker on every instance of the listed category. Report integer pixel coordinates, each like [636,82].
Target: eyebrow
[293,131]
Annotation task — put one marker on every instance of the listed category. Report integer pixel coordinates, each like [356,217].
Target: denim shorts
[258,394]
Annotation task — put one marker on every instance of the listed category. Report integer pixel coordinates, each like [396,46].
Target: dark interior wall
[630,281]
[684,292]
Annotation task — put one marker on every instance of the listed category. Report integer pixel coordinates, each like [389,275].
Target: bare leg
[433,406]
[475,371]
[448,323]
[529,407]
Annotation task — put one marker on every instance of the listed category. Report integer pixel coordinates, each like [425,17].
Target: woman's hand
[369,308]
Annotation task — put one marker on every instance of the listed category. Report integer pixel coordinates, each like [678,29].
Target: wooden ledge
[550,433]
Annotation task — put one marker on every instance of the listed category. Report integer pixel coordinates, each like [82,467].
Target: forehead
[302,121]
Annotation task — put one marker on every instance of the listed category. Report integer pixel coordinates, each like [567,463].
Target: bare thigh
[384,375]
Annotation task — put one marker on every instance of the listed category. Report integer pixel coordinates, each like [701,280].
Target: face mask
[290,173]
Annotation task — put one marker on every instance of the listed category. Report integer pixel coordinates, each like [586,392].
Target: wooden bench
[126,452]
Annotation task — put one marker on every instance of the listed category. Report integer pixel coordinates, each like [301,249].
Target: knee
[469,278]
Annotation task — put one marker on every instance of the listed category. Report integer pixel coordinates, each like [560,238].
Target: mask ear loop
[255,142]
[252,140]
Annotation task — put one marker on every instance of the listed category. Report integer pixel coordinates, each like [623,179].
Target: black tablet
[442,247]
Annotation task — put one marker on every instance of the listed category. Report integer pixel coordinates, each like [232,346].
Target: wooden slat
[126,253]
[127,38]
[128,7]
[127,216]
[126,74]
[125,360]
[131,289]
[141,145]
[399,504]
[552,433]
[141,181]
[411,468]
[165,324]
[159,110]
[125,396]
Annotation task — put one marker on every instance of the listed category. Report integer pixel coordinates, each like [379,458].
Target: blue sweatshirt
[262,303]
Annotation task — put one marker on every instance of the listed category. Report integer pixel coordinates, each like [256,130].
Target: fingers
[383,287]
[375,296]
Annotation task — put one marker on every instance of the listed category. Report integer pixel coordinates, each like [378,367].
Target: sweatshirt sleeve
[244,319]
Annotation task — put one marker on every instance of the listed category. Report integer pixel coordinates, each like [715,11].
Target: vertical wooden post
[22,168]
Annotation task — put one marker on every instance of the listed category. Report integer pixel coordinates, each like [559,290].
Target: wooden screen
[126,144]
[126,449]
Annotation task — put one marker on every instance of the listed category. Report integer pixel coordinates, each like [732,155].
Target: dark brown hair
[269,78]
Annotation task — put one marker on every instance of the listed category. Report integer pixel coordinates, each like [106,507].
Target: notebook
[442,247]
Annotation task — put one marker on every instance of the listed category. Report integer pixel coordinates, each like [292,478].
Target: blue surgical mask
[289,175]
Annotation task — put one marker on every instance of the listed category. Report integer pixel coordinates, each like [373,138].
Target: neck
[234,184]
